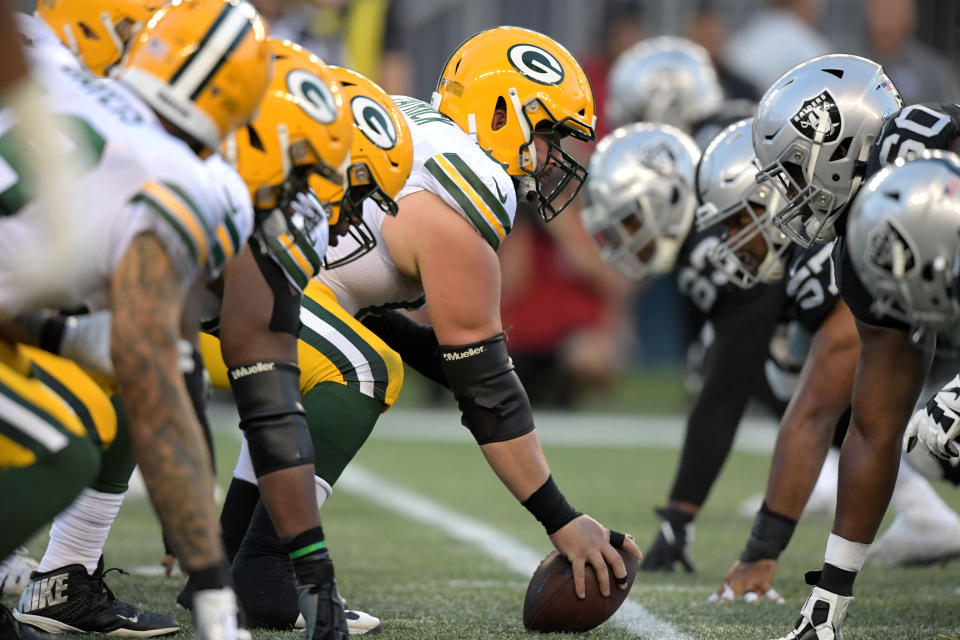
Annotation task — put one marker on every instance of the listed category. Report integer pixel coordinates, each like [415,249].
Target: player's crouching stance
[903,232]
[147,236]
[516,93]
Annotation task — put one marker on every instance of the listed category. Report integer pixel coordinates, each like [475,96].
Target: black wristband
[549,507]
[770,535]
[51,334]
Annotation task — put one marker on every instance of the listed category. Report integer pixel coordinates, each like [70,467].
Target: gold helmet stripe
[226,33]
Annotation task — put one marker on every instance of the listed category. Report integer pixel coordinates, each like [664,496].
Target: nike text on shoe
[69,599]
[822,617]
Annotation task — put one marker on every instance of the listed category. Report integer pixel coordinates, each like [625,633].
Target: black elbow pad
[492,401]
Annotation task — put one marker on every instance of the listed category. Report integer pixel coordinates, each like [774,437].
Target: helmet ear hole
[255,140]
[500,114]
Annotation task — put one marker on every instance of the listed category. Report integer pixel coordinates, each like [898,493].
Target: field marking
[755,435]
[632,616]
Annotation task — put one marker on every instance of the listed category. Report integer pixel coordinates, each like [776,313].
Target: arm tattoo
[148,300]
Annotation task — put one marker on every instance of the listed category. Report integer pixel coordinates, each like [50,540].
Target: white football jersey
[130,177]
[446,162]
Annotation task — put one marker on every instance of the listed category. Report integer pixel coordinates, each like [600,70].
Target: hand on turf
[937,425]
[750,580]
[584,540]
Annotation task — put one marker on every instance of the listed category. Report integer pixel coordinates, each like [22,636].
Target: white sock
[845,554]
[914,497]
[244,471]
[827,480]
[78,534]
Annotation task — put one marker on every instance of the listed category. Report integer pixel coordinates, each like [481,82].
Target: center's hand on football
[750,580]
[584,540]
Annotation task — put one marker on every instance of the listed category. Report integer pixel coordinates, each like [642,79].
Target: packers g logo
[535,64]
[314,96]
[374,121]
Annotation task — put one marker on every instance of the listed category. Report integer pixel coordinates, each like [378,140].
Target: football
[551,604]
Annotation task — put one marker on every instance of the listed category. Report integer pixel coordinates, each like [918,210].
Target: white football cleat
[18,572]
[822,617]
[913,540]
[358,623]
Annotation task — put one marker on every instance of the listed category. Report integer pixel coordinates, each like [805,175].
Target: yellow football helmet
[203,65]
[543,90]
[96,31]
[381,157]
[296,150]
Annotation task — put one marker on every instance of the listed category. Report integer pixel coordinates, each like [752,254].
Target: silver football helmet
[903,234]
[640,197]
[665,79]
[752,249]
[812,134]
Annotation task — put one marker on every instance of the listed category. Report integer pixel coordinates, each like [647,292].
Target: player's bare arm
[823,394]
[890,375]
[461,280]
[147,299]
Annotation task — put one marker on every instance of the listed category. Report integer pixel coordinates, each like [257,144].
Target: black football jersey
[811,285]
[915,128]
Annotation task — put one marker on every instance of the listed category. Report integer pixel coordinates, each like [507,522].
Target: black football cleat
[69,599]
[10,629]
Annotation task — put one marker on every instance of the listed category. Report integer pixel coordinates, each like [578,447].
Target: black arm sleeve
[743,327]
[416,343]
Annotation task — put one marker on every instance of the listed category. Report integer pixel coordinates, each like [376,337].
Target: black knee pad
[267,394]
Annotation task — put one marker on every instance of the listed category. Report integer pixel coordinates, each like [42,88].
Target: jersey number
[82,145]
[915,119]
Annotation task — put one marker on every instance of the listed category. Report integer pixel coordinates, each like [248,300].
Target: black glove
[672,542]
[322,609]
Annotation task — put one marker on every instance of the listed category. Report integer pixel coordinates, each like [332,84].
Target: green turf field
[423,583]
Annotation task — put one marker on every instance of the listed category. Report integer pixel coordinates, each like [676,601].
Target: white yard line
[756,435]
[522,559]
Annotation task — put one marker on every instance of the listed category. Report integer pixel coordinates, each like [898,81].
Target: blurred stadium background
[580,335]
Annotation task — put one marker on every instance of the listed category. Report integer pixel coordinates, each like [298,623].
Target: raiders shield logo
[881,245]
[660,158]
[807,119]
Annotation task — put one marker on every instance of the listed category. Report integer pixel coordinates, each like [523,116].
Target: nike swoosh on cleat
[133,620]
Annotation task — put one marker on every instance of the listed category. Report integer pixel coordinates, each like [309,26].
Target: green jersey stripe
[481,188]
[332,353]
[171,220]
[234,233]
[18,435]
[211,236]
[289,264]
[465,203]
[378,368]
[78,407]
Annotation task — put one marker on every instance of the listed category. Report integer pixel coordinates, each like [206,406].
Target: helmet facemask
[812,209]
[347,219]
[554,181]
[633,239]
[289,216]
[747,219]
